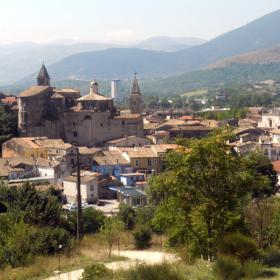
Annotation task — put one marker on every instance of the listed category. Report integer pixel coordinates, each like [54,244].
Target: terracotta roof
[37,142]
[124,138]
[187,118]
[57,95]
[94,96]
[14,164]
[276,166]
[142,152]
[128,116]
[275,131]
[89,151]
[86,176]
[110,158]
[66,90]
[9,100]
[34,90]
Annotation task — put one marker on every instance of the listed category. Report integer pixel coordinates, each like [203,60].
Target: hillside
[259,34]
[19,59]
[266,56]
[165,43]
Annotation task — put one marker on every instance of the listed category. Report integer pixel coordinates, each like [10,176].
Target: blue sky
[124,20]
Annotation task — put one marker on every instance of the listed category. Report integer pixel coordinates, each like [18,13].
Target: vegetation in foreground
[218,209]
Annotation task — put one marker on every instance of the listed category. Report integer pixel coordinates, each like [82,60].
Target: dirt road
[134,257]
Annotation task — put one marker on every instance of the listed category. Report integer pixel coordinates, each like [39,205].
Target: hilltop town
[145,146]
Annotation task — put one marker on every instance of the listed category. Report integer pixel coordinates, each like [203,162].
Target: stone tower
[135,101]
[43,78]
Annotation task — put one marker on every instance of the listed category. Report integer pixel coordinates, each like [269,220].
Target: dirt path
[134,257]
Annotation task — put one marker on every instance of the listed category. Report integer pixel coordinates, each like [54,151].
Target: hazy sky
[124,20]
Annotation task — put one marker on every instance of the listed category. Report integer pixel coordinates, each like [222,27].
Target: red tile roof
[276,166]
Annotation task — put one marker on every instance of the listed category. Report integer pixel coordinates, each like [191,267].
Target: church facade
[88,120]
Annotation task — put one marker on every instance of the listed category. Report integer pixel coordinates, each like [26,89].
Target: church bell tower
[135,101]
[43,78]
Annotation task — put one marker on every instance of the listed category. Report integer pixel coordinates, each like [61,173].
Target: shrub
[96,271]
[227,268]
[152,272]
[271,257]
[127,216]
[92,221]
[252,269]
[142,237]
[239,246]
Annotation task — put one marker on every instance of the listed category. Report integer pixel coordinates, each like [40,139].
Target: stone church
[88,120]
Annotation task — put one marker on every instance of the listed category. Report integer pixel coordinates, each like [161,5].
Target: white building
[271,119]
[115,89]
[89,186]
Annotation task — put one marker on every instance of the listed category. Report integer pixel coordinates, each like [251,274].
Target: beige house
[89,187]
[129,141]
[40,147]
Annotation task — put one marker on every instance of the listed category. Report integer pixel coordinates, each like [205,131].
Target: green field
[197,92]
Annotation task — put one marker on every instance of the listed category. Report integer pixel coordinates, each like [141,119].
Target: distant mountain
[266,56]
[19,59]
[164,43]
[122,62]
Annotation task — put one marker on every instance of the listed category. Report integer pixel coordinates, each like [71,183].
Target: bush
[239,246]
[142,237]
[127,216]
[93,220]
[271,257]
[96,271]
[252,269]
[227,268]
[152,272]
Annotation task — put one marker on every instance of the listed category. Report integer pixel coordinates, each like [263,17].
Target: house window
[137,162]
[101,124]
[266,152]
[91,188]
[75,133]
[149,162]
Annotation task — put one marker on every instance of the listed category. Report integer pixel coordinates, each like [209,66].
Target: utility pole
[79,199]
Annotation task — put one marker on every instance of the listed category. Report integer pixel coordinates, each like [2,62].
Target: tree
[93,220]
[142,237]
[127,216]
[263,171]
[260,215]
[8,123]
[201,195]
[111,231]
[33,206]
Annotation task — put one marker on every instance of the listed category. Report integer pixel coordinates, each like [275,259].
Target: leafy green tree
[263,171]
[33,206]
[93,220]
[111,231]
[260,215]
[201,196]
[142,237]
[127,215]
[8,123]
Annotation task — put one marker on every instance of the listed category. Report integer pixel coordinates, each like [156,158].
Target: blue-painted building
[112,163]
[130,179]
